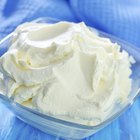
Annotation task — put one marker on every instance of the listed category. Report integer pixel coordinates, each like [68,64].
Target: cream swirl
[66,70]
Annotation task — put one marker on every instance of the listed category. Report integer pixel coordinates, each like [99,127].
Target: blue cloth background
[117,17]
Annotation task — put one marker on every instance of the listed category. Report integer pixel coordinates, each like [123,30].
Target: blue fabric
[120,18]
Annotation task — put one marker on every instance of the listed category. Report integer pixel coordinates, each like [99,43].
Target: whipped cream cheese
[65,70]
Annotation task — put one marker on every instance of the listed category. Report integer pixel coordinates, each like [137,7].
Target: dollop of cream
[66,70]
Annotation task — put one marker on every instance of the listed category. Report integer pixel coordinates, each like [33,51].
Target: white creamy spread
[65,70]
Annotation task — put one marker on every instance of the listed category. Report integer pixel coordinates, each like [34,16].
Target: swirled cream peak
[66,70]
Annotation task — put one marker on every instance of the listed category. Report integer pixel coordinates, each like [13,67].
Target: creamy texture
[66,71]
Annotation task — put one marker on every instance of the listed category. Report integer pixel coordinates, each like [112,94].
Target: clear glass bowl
[63,128]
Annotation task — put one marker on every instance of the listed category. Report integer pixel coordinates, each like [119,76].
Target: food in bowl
[67,71]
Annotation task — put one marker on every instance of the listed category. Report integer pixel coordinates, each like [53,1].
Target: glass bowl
[65,129]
